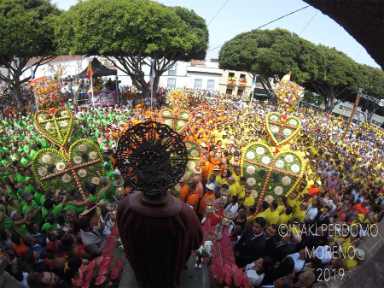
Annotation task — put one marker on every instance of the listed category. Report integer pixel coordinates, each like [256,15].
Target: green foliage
[312,98]
[26,28]
[99,27]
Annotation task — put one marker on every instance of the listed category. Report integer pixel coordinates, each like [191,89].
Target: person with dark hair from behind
[18,245]
[17,273]
[72,249]
[251,244]
[36,264]
[34,230]
[256,271]
[50,222]
[282,249]
[55,262]
[91,236]
[250,215]
[241,218]
[31,244]
[263,210]
[284,269]
[60,219]
[74,264]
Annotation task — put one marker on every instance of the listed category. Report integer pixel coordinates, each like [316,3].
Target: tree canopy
[273,53]
[26,31]
[129,32]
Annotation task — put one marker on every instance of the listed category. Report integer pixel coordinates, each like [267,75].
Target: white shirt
[233,208]
[311,213]
[254,278]
[324,253]
[299,264]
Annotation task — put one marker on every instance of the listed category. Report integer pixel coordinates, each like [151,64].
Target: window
[240,92]
[172,70]
[198,83]
[171,82]
[210,84]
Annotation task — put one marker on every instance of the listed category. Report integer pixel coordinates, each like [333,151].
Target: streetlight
[70,87]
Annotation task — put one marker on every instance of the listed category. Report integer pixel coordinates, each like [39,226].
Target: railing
[242,83]
[232,81]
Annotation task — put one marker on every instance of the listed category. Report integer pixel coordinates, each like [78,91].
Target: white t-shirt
[324,253]
[254,278]
[299,264]
[311,213]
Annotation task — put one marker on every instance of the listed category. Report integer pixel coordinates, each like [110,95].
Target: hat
[197,169]
[231,142]
[116,172]
[224,133]
[210,186]
[217,168]
[105,151]
[113,146]
[318,182]
[13,215]
[203,145]
[360,253]
[90,207]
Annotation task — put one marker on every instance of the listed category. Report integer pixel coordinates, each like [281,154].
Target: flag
[152,73]
[88,75]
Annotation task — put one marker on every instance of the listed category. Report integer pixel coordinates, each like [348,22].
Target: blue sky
[242,16]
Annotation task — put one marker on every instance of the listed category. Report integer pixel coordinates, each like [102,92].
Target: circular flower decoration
[181,123]
[166,113]
[63,124]
[289,158]
[292,122]
[82,147]
[93,155]
[286,180]
[188,145]
[49,126]
[95,180]
[260,150]
[266,160]
[77,159]
[279,164]
[168,121]
[185,116]
[195,153]
[254,193]
[295,168]
[250,155]
[250,170]
[191,164]
[60,166]
[187,175]
[82,173]
[251,181]
[66,178]
[274,129]
[46,158]
[41,118]
[279,190]
[287,132]
[64,113]
[42,171]
[269,199]
[178,187]
[273,118]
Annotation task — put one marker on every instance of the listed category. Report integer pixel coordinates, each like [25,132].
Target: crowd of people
[48,235]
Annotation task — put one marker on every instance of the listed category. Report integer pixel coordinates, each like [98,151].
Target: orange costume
[193,200]
[184,193]
[203,204]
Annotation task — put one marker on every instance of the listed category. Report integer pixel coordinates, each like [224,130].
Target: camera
[62,192]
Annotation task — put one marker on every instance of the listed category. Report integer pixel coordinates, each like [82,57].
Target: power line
[308,23]
[217,12]
[359,53]
[268,23]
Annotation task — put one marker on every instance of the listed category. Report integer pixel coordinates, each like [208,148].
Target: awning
[100,70]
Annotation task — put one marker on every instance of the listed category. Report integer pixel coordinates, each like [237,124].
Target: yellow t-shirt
[233,190]
[280,208]
[272,217]
[300,215]
[262,214]
[351,263]
[292,202]
[249,201]
[284,219]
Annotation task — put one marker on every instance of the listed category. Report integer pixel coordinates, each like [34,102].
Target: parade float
[288,93]
[58,168]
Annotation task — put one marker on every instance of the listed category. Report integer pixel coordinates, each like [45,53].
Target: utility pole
[253,87]
[353,112]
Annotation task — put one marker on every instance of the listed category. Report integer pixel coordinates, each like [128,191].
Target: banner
[103,98]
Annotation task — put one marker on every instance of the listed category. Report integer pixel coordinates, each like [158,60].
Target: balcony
[242,83]
[232,81]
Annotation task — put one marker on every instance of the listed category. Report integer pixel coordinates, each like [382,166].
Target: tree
[272,54]
[341,77]
[26,32]
[130,33]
